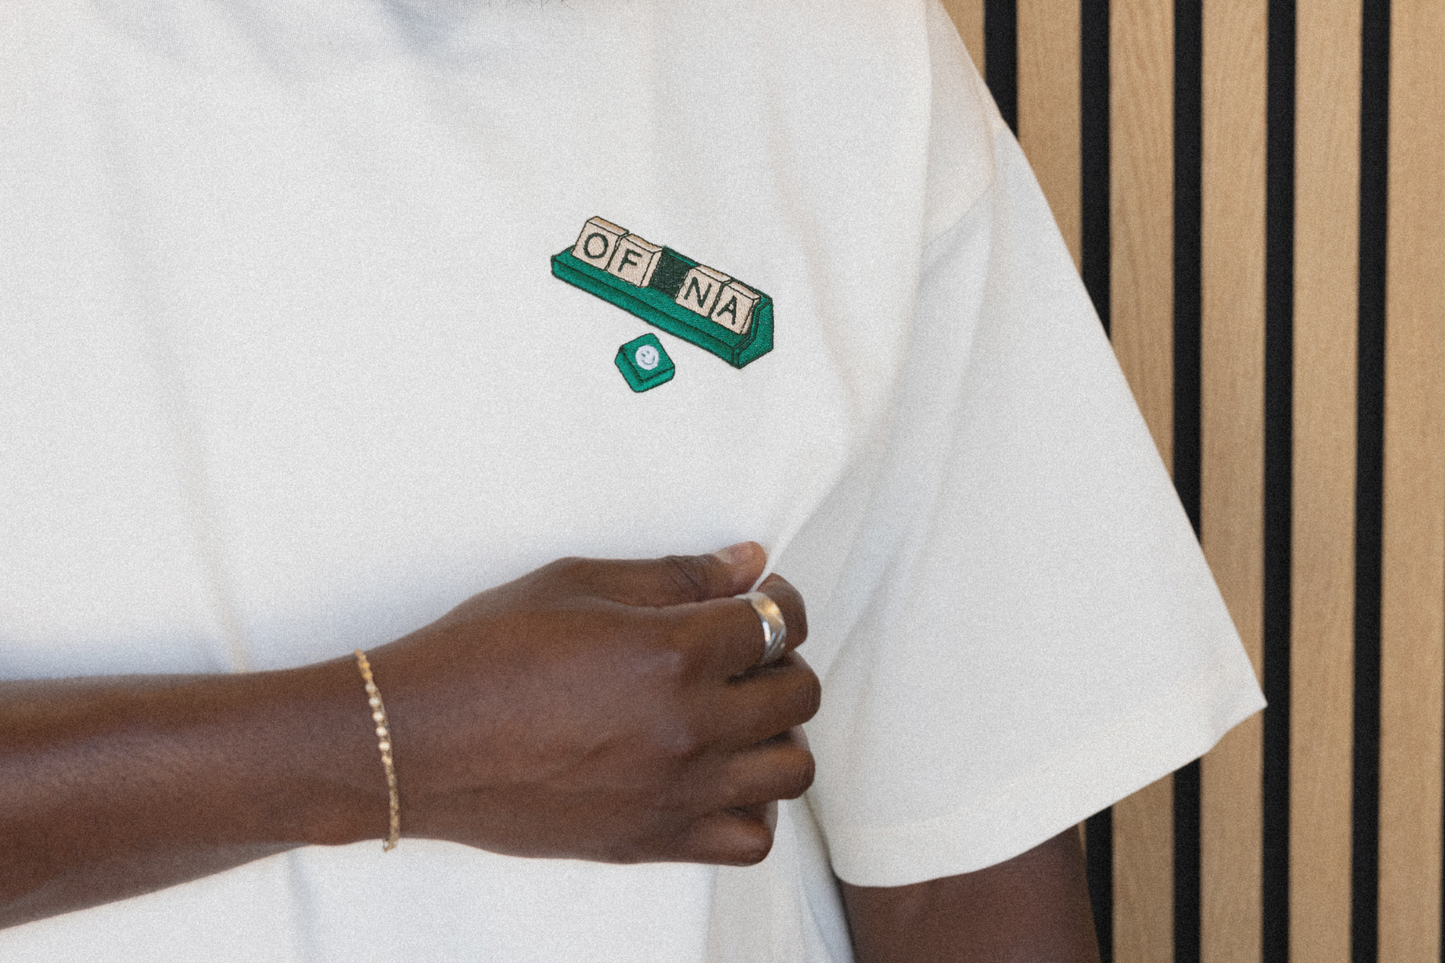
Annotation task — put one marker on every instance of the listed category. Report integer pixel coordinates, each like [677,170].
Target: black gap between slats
[1369,479]
[1094,191]
[1188,179]
[1094,150]
[1001,57]
[1278,471]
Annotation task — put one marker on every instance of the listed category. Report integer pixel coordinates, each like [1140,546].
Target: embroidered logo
[693,301]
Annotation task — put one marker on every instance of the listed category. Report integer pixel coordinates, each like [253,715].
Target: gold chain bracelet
[383,742]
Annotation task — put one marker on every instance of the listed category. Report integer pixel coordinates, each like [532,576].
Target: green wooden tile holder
[655,304]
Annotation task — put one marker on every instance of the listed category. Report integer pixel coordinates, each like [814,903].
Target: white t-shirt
[285,371]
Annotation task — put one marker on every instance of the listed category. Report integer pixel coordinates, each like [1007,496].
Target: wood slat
[1048,103]
[1141,142]
[1412,619]
[1326,291]
[968,18]
[1144,874]
[1141,220]
[1232,442]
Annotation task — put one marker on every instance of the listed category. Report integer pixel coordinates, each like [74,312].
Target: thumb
[678,579]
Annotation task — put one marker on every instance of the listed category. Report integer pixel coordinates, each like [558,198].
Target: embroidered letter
[735,307]
[597,242]
[700,289]
[596,245]
[635,260]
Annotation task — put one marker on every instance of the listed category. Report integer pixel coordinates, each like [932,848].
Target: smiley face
[646,357]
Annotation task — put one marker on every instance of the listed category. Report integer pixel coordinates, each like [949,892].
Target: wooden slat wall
[1232,464]
[1414,537]
[1327,178]
[1141,269]
[1048,41]
[1330,902]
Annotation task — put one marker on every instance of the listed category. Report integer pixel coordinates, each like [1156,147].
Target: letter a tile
[734,309]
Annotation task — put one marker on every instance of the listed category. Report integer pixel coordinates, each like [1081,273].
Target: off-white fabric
[284,372]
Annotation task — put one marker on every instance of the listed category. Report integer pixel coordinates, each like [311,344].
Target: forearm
[605,710]
[1030,909]
[114,787]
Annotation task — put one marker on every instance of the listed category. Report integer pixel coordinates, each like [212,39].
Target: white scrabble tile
[597,242]
[700,289]
[734,309]
[635,260]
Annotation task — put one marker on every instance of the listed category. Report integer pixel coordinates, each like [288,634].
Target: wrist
[324,783]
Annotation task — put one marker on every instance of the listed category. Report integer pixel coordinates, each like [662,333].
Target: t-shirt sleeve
[1011,615]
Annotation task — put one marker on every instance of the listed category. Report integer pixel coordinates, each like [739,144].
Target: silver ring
[775,630]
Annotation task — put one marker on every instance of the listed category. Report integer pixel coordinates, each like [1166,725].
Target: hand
[604,710]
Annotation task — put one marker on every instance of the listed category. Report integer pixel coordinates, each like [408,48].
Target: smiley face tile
[644,363]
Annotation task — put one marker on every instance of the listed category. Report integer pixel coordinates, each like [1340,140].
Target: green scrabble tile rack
[656,305]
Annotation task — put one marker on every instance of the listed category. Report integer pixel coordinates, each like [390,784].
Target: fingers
[758,706]
[675,579]
[742,832]
[728,629]
[700,589]
[780,768]
[728,838]
[729,632]
[787,598]
[766,813]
